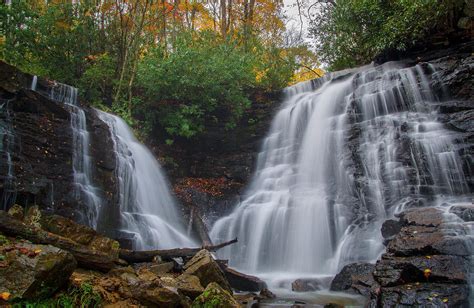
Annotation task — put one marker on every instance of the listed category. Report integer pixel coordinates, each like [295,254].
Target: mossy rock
[214,296]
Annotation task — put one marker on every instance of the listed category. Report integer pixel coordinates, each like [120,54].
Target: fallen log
[84,256]
[133,256]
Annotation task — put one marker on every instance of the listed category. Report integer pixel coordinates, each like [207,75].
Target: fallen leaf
[427,273]
[5,296]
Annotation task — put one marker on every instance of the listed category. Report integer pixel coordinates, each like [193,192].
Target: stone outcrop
[207,270]
[29,271]
[426,263]
[41,148]
[355,278]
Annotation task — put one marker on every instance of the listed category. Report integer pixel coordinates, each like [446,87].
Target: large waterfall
[147,209]
[343,154]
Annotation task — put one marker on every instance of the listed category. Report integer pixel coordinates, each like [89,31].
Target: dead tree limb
[132,256]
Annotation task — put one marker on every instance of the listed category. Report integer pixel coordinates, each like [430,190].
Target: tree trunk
[223,18]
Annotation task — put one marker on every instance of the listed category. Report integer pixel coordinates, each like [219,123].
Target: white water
[343,154]
[7,141]
[147,208]
[85,192]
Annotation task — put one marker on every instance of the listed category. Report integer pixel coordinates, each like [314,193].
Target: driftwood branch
[132,256]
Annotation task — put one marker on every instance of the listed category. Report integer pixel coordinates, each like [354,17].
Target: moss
[214,297]
[4,240]
[84,296]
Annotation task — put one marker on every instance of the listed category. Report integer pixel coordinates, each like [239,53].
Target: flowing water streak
[85,192]
[7,142]
[342,155]
[147,207]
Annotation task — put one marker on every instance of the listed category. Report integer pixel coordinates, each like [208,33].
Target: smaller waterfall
[34,82]
[147,207]
[7,141]
[85,192]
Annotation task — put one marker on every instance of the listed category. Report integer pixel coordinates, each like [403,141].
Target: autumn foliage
[215,187]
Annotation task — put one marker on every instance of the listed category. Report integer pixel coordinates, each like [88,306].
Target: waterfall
[85,192]
[147,208]
[7,142]
[343,154]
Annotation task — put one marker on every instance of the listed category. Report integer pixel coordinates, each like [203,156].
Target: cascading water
[7,139]
[85,192]
[343,154]
[147,208]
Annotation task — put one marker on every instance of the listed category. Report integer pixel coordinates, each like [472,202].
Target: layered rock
[29,271]
[41,149]
[427,263]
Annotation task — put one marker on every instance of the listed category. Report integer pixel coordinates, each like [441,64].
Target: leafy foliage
[182,66]
[352,32]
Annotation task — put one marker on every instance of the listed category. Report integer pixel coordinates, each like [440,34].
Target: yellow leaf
[37,251]
[445,300]
[5,296]
[427,273]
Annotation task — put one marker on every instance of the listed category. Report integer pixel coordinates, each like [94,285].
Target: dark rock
[391,271]
[419,240]
[306,285]
[34,271]
[465,212]
[243,282]
[430,217]
[355,278]
[162,268]
[265,293]
[425,295]
[390,228]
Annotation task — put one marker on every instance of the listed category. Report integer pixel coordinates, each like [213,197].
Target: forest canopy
[175,63]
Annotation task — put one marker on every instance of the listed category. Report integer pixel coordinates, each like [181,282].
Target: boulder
[207,270]
[421,240]
[306,285]
[429,217]
[425,295]
[390,228]
[355,278]
[80,234]
[265,293]
[391,271]
[243,282]
[188,285]
[162,268]
[142,286]
[465,212]
[216,297]
[31,271]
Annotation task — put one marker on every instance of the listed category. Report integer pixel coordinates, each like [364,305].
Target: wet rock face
[355,278]
[426,263]
[31,271]
[42,148]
